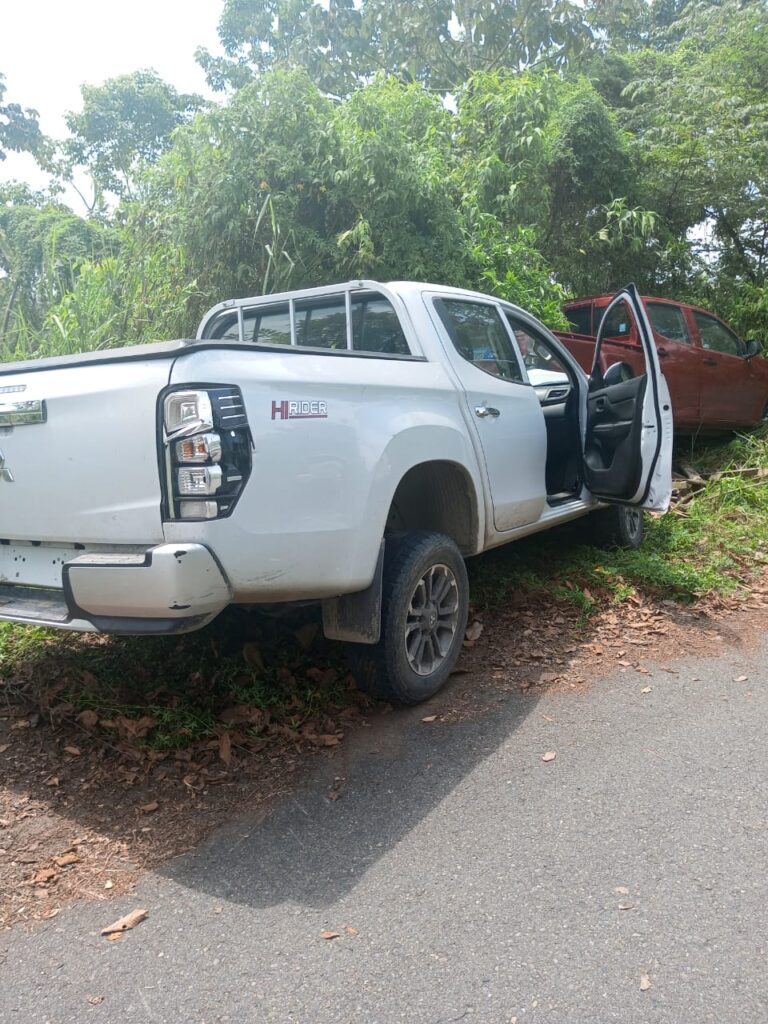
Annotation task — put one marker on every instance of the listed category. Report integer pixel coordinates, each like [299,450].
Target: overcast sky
[49,48]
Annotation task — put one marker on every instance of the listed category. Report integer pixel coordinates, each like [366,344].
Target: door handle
[600,405]
[662,351]
[709,362]
[486,410]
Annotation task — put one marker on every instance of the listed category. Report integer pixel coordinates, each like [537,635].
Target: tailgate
[84,468]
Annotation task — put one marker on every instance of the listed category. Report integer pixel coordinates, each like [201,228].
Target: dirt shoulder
[85,809]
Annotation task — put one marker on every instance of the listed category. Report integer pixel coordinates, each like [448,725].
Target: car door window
[716,337]
[479,336]
[668,321]
[536,353]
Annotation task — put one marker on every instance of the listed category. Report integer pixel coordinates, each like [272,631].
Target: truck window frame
[300,310]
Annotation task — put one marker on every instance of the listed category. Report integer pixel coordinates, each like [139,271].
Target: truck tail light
[206,451]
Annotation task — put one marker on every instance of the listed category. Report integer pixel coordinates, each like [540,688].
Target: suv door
[731,392]
[628,428]
[501,409]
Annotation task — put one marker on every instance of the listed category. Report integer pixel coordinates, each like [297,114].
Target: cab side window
[479,336]
[375,326]
[716,337]
[668,321]
[224,327]
[618,323]
[322,323]
[270,326]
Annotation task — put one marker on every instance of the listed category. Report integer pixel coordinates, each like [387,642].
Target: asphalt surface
[483,884]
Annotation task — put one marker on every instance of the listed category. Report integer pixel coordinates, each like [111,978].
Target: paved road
[481,881]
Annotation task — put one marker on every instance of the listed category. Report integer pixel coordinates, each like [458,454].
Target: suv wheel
[425,597]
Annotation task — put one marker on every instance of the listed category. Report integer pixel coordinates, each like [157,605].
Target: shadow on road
[315,846]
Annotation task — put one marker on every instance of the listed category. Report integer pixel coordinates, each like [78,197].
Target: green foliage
[42,248]
[343,44]
[125,124]
[580,146]
[716,546]
[19,128]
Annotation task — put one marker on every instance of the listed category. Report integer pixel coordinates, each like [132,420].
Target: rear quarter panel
[310,520]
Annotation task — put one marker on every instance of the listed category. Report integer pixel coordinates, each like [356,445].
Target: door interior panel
[612,463]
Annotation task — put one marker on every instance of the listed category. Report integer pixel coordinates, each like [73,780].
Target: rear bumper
[170,588]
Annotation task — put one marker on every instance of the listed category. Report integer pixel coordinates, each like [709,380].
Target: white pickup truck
[349,445]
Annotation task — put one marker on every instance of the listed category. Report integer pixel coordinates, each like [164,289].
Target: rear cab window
[580,319]
[317,323]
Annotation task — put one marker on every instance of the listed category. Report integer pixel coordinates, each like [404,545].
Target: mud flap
[356,618]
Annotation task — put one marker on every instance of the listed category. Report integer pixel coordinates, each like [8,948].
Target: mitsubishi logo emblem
[5,473]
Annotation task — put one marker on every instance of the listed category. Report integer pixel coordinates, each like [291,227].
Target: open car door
[628,428]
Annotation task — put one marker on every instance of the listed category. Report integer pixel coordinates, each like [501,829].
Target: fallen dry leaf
[65,859]
[89,719]
[151,807]
[46,875]
[73,751]
[114,937]
[549,756]
[124,923]
[645,982]
[225,748]
[646,689]
[429,718]
[741,679]
[4,747]
[324,740]
[330,935]
[95,1000]
[352,932]
[622,890]
[53,780]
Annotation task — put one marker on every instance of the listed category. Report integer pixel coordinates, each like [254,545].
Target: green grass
[715,547]
[284,668]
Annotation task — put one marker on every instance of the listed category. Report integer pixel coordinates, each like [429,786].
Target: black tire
[617,526]
[415,562]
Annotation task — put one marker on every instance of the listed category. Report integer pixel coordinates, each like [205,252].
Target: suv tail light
[206,451]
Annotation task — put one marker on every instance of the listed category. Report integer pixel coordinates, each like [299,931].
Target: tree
[42,247]
[19,127]
[699,115]
[124,126]
[343,43]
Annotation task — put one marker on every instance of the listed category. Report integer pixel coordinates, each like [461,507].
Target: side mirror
[617,373]
[754,348]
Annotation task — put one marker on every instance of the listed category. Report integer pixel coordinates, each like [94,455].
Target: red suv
[716,380]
